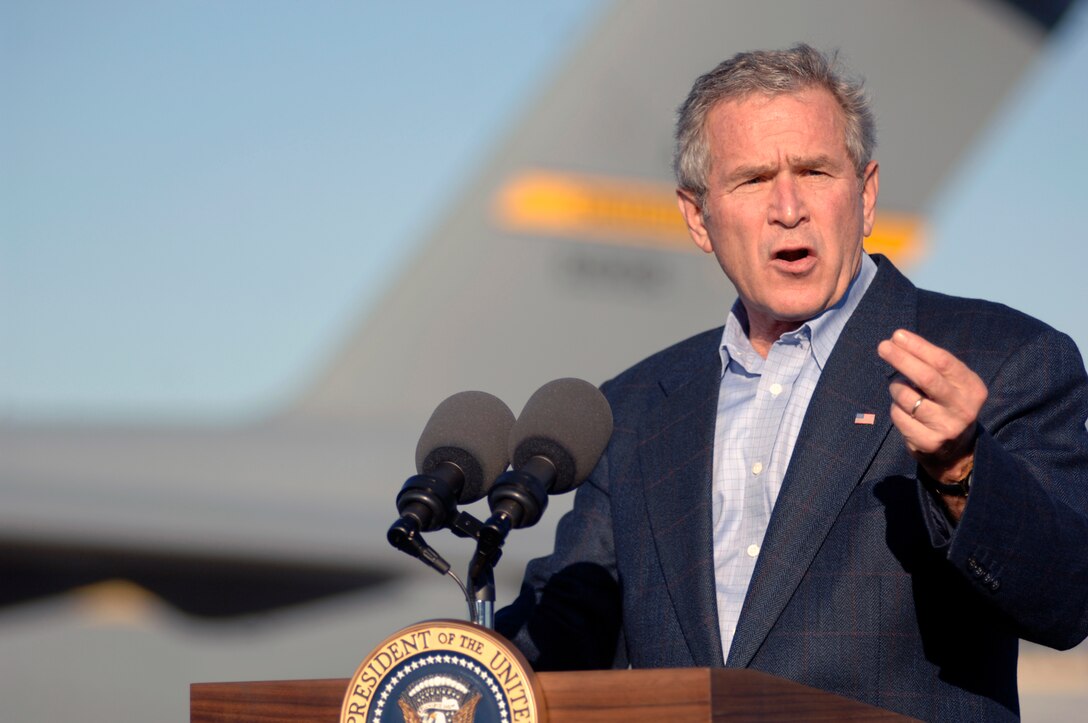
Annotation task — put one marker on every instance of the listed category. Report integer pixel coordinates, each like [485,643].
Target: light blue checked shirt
[761,404]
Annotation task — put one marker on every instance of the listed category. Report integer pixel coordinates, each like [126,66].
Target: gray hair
[771,72]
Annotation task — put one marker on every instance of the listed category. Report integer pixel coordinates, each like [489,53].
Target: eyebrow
[821,160]
[742,172]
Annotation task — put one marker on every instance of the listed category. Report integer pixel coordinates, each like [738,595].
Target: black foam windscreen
[567,421]
[469,429]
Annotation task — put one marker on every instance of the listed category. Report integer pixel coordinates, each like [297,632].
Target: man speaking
[854,484]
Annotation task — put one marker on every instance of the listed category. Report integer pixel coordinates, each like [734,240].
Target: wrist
[953,483]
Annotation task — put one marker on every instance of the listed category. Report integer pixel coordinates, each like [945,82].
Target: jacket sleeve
[1022,542]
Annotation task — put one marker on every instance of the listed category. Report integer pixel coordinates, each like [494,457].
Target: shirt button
[753,550]
[757,468]
[776,389]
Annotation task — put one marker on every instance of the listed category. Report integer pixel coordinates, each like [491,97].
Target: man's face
[785,212]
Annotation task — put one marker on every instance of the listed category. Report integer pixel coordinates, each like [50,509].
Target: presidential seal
[443,671]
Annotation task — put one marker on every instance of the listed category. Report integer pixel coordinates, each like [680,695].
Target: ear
[870,188]
[693,217]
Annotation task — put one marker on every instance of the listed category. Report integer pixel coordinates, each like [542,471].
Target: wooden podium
[677,695]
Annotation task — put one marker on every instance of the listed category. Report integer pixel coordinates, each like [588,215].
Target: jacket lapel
[830,458]
[676,458]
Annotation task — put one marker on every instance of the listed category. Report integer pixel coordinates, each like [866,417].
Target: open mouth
[792,254]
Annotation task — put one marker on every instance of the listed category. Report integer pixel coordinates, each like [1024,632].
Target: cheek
[728,252]
[735,234]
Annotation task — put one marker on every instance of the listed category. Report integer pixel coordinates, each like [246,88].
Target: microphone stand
[518,499]
[481,571]
[483,599]
[480,591]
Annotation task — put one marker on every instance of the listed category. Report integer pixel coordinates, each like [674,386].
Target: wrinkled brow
[797,163]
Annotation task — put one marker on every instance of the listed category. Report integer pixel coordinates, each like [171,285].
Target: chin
[798,315]
[801,310]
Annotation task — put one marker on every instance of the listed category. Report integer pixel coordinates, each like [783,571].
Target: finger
[937,451]
[923,349]
[922,375]
[919,418]
[947,365]
[919,438]
[931,430]
[935,405]
[906,396]
[925,422]
[936,372]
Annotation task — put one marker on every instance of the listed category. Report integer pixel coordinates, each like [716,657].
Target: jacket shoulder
[960,323]
[647,382]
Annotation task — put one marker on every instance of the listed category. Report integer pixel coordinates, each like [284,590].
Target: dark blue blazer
[862,587]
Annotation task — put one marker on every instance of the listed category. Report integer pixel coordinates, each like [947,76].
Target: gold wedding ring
[915,407]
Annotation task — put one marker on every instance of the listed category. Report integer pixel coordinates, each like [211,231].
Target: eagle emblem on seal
[439,699]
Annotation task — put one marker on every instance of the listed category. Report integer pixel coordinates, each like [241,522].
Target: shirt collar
[822,330]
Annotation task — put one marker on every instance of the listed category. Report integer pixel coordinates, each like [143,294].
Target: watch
[959,488]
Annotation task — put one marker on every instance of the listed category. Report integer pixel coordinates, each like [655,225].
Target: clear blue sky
[197,199]
[1009,226]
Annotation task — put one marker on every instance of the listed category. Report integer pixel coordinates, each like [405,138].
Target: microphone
[554,445]
[462,448]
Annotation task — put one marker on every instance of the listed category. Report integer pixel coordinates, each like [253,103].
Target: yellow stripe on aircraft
[641,213]
[898,236]
[569,205]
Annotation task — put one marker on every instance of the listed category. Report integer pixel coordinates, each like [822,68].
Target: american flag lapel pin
[864,418]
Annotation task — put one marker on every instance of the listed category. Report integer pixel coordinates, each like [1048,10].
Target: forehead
[809,121]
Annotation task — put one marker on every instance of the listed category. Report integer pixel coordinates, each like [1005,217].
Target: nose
[786,206]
